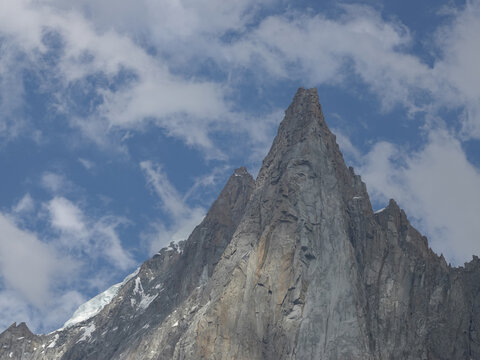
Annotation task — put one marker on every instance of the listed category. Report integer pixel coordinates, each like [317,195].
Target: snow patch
[96,304]
[53,343]
[357,197]
[87,332]
[146,301]
[379,210]
[174,246]
[138,286]
[176,324]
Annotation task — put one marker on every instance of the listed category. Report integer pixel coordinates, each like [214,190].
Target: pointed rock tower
[294,265]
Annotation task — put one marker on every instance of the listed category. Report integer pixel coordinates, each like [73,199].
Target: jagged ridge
[293,266]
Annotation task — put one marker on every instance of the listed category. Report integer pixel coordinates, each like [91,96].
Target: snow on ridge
[54,342]
[146,301]
[138,287]
[87,332]
[93,306]
[379,210]
[175,246]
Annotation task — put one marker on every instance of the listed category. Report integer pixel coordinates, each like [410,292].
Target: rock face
[294,265]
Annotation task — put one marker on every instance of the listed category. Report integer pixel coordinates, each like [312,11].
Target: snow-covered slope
[93,306]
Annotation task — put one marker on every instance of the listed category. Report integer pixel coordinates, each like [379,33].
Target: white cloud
[171,200]
[320,50]
[162,46]
[438,188]
[175,25]
[97,238]
[39,320]
[87,164]
[66,216]
[14,309]
[110,37]
[54,182]
[39,273]
[28,265]
[460,48]
[154,94]
[24,205]
[33,273]
[108,242]
[183,217]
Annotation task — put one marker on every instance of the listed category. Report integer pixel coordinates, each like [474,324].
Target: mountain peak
[304,139]
[305,97]
[241,171]
[304,110]
[294,265]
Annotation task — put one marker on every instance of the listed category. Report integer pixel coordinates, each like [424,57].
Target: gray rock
[293,266]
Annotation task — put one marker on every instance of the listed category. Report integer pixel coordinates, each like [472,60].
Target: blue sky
[120,122]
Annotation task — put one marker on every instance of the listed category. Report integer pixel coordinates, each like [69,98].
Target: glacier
[93,306]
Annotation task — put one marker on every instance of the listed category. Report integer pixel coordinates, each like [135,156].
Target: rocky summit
[292,265]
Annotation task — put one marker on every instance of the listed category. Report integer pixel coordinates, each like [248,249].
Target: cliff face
[294,265]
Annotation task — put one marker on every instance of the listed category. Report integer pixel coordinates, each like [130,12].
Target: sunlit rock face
[294,265]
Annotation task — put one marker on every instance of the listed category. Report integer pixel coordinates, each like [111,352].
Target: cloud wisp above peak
[183,217]
[201,86]
[127,61]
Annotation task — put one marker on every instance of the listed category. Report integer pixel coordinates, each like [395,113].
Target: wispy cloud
[460,55]
[183,217]
[55,182]
[87,164]
[139,89]
[145,90]
[24,205]
[95,237]
[171,201]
